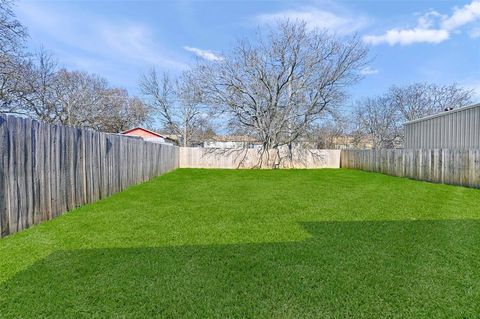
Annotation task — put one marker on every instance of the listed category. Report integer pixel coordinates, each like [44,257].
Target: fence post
[4,228]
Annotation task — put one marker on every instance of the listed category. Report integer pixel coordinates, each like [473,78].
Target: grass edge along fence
[447,166]
[47,170]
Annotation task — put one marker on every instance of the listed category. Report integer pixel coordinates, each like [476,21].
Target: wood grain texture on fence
[447,166]
[46,170]
[195,157]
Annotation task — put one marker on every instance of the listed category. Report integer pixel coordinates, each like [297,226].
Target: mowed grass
[253,243]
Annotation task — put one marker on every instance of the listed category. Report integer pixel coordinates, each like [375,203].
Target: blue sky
[409,41]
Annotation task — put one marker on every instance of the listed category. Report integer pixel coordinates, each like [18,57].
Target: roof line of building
[442,114]
[143,129]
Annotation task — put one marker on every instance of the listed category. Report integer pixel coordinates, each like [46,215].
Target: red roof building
[149,136]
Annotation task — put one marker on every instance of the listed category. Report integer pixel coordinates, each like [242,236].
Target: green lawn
[253,243]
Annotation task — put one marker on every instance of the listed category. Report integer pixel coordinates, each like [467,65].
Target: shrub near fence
[455,167]
[46,170]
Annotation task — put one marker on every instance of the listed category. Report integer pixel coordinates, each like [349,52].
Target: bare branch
[278,85]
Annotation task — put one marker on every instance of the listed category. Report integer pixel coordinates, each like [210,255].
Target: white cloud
[462,16]
[408,36]
[204,54]
[368,71]
[429,19]
[432,27]
[321,19]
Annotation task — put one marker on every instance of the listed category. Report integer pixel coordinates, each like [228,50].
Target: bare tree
[178,103]
[120,112]
[13,71]
[330,132]
[32,85]
[87,100]
[277,85]
[421,99]
[206,130]
[77,98]
[80,96]
[379,120]
[38,97]
[13,64]
[12,32]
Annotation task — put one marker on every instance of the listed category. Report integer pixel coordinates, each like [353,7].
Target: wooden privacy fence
[455,167]
[46,170]
[193,157]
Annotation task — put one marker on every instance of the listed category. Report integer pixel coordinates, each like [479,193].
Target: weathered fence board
[449,166]
[4,222]
[46,170]
[195,157]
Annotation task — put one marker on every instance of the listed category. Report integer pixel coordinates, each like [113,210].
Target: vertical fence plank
[37,173]
[456,167]
[4,226]
[46,170]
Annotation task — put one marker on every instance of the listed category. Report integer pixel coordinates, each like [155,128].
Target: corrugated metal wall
[457,129]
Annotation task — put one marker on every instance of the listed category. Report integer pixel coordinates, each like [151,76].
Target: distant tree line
[381,118]
[178,103]
[274,87]
[285,86]
[33,85]
[289,85]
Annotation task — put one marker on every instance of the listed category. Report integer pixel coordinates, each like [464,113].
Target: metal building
[456,129]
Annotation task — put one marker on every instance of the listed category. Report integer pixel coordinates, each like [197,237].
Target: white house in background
[231,141]
[150,136]
[454,129]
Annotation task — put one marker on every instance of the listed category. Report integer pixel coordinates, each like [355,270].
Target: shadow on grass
[347,269]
